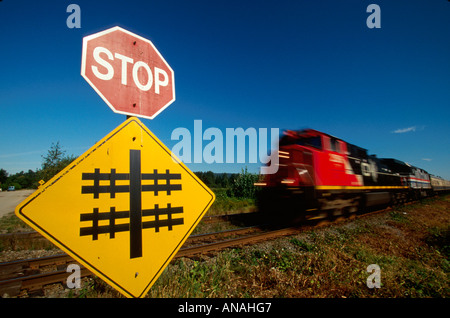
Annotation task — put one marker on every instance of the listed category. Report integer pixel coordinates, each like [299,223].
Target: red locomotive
[320,175]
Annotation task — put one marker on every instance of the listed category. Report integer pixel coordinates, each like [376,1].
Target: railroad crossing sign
[123,208]
[128,72]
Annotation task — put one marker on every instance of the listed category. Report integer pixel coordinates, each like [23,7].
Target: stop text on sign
[159,77]
[128,72]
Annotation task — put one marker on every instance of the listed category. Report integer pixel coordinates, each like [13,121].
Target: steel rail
[36,281]
[24,274]
[254,238]
[206,220]
[63,258]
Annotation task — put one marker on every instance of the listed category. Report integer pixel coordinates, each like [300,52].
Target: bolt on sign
[122,209]
[128,72]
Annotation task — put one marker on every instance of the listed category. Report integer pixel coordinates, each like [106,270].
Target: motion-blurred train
[323,176]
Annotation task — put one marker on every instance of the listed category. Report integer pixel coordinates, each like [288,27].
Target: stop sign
[128,72]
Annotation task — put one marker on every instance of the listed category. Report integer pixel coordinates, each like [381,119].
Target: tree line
[53,162]
[240,185]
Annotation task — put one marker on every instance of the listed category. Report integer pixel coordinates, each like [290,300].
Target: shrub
[243,185]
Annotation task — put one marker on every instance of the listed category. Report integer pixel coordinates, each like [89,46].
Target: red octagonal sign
[128,72]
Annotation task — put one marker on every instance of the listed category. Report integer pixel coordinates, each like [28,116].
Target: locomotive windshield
[306,140]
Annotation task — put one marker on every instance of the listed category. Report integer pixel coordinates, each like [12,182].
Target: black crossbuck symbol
[135,214]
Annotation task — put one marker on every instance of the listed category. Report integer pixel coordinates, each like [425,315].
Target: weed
[224,204]
[302,245]
[440,239]
[419,281]
[396,216]
[11,223]
[283,260]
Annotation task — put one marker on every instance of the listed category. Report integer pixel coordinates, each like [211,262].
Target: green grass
[226,205]
[11,223]
[409,244]
[411,250]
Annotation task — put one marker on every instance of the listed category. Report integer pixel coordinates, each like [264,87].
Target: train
[322,176]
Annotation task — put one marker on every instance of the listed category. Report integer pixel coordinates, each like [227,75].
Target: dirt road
[10,199]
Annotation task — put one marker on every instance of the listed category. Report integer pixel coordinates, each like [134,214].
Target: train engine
[321,176]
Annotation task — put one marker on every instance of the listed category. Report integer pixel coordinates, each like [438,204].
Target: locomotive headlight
[260,184]
[283,154]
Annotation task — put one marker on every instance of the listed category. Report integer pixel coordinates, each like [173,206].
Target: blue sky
[262,64]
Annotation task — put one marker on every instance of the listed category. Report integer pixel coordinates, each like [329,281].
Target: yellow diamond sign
[123,209]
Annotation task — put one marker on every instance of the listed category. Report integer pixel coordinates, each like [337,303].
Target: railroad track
[33,274]
[12,239]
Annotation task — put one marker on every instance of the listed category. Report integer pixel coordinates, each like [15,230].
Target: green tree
[243,185]
[55,161]
[3,176]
